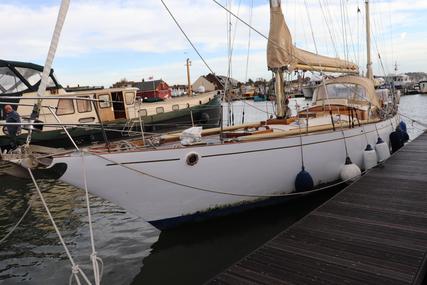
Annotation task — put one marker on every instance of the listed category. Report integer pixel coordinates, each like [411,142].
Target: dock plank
[372,232]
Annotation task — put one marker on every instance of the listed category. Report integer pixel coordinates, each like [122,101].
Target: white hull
[255,168]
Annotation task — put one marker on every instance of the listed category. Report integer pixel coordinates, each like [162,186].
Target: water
[33,255]
[133,251]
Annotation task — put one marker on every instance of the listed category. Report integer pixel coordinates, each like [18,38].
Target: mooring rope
[75,269]
[96,261]
[12,229]
[414,121]
[96,270]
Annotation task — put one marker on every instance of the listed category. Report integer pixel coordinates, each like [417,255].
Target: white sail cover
[282,54]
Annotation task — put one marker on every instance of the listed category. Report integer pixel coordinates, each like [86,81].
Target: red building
[153,89]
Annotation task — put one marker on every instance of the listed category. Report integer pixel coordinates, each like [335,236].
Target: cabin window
[129,98]
[9,82]
[142,112]
[160,110]
[341,91]
[87,120]
[104,101]
[65,107]
[34,76]
[84,106]
[175,107]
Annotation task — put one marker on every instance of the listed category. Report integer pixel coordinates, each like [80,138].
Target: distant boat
[423,86]
[247,92]
[192,175]
[308,90]
[400,81]
[119,108]
[309,87]
[260,98]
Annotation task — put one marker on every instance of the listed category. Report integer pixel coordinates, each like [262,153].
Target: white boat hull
[223,175]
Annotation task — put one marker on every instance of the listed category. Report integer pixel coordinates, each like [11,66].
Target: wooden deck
[373,232]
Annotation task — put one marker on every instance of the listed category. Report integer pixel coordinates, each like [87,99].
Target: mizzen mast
[276,24]
[369,73]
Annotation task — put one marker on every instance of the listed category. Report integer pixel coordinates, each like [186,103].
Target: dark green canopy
[18,77]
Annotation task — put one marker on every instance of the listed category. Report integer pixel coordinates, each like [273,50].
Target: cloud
[100,30]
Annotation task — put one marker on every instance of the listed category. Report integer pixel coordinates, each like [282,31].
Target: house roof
[219,80]
[147,85]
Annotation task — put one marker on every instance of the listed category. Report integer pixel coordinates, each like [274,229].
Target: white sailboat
[173,182]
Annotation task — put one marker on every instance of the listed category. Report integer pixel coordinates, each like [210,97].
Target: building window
[65,107]
[175,107]
[104,101]
[160,110]
[129,98]
[84,106]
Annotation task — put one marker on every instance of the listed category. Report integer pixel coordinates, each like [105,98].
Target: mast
[278,83]
[280,93]
[369,73]
[190,91]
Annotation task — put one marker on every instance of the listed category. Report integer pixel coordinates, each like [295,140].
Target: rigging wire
[329,28]
[261,34]
[188,39]
[391,33]
[249,41]
[358,34]
[343,30]
[311,26]
[377,30]
[247,57]
[351,34]
[230,63]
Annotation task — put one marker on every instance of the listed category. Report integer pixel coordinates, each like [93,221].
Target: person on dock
[12,116]
[396,140]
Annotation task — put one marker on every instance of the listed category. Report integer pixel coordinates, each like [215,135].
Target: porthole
[192,158]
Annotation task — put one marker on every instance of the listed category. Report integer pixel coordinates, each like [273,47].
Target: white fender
[383,151]
[369,158]
[350,171]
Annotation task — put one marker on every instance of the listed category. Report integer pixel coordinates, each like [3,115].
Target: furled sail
[282,54]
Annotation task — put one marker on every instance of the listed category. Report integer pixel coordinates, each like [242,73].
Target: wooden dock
[373,232]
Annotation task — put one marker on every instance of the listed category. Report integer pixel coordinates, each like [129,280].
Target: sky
[104,41]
